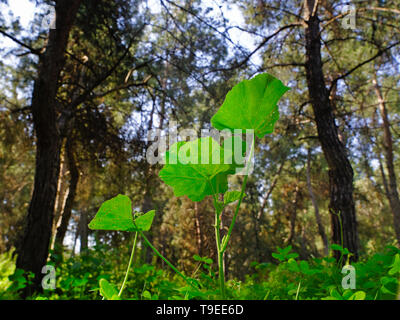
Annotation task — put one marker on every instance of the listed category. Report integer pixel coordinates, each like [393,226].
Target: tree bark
[391,182]
[341,206]
[84,232]
[73,184]
[77,232]
[33,251]
[62,193]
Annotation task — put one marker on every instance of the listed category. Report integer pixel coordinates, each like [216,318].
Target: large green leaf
[251,104]
[114,214]
[230,145]
[192,168]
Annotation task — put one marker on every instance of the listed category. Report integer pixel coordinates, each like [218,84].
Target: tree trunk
[321,229]
[391,184]
[33,251]
[341,206]
[62,191]
[84,232]
[66,215]
[77,232]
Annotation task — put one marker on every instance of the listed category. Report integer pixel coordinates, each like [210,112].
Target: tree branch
[359,10]
[263,43]
[125,86]
[378,54]
[31,50]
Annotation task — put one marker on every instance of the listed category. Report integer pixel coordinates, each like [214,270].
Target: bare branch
[31,50]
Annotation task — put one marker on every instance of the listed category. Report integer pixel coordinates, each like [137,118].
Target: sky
[25,10]
[21,8]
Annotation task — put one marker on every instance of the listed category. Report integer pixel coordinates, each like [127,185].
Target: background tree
[130,67]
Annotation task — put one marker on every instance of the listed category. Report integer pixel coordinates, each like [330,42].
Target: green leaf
[146,294]
[344,251]
[107,290]
[359,295]
[284,254]
[286,250]
[328,298]
[190,170]
[202,259]
[388,282]
[114,214]
[232,196]
[251,104]
[387,291]
[292,255]
[143,222]
[293,266]
[304,267]
[369,285]
[278,256]
[337,247]
[395,267]
[234,146]
[347,294]
[197,258]
[335,294]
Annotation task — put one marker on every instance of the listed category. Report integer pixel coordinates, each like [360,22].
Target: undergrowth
[78,278]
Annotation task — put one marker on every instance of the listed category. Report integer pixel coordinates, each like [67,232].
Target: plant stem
[222,245]
[298,290]
[129,265]
[228,235]
[221,271]
[165,259]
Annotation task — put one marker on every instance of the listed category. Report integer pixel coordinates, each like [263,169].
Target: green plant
[116,214]
[7,268]
[255,101]
[201,168]
[205,168]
